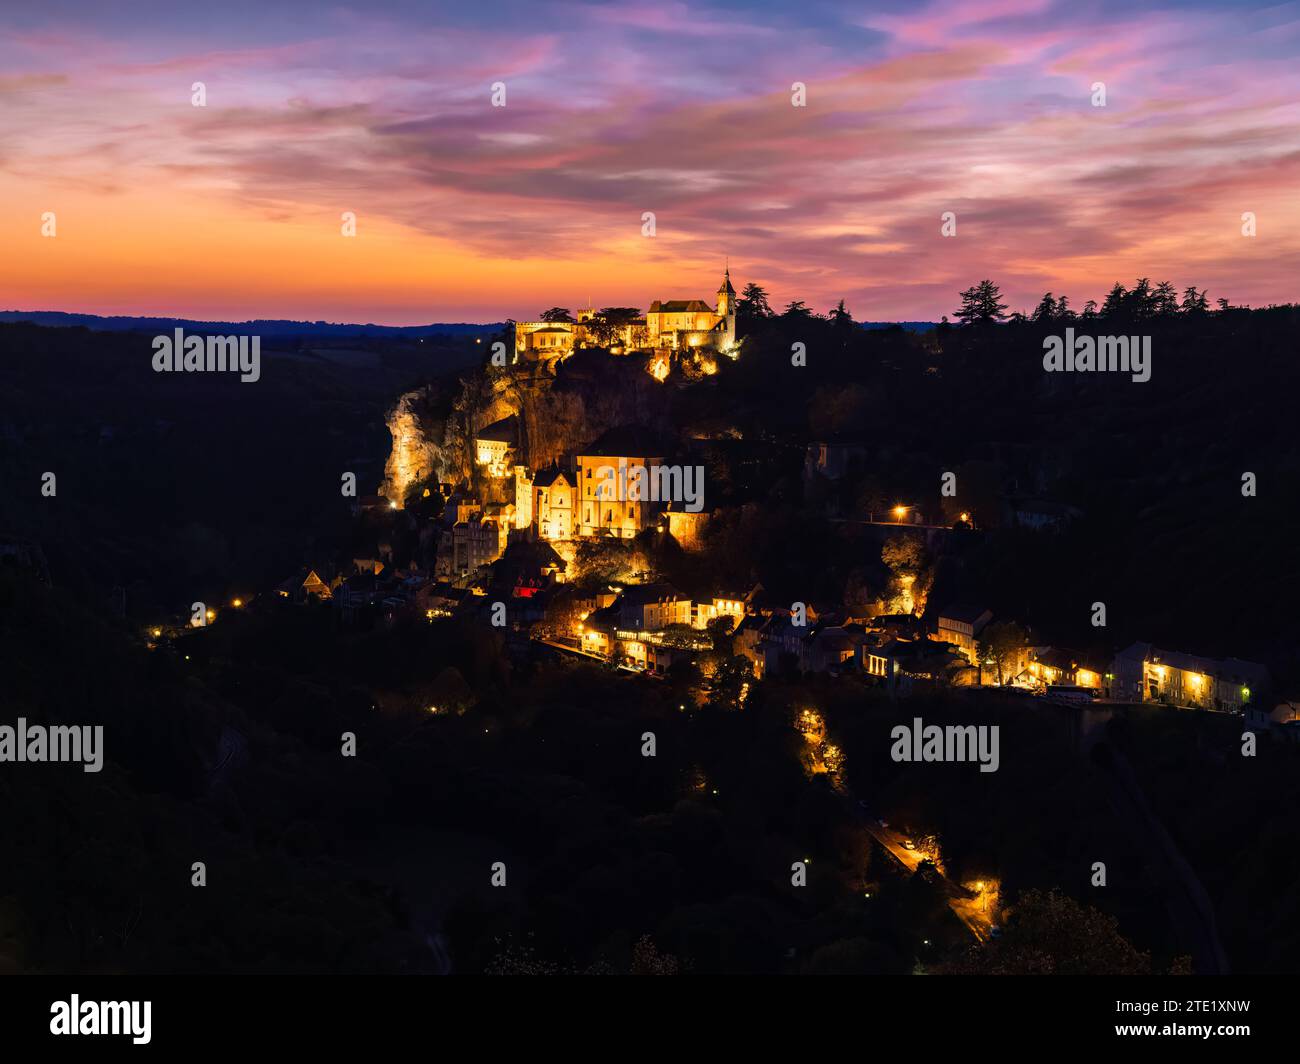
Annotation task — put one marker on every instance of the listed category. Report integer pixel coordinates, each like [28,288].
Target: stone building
[671,325]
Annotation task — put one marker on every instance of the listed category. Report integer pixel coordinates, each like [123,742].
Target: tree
[733,675]
[1052,934]
[1195,302]
[981,303]
[1165,301]
[1046,309]
[841,318]
[1063,310]
[752,303]
[1115,301]
[905,557]
[1141,301]
[1090,310]
[903,554]
[608,323]
[647,960]
[1001,644]
[796,309]
[557,314]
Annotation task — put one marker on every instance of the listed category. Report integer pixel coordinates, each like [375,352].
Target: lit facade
[602,515]
[673,325]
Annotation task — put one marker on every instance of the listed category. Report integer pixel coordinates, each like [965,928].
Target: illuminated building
[672,325]
[1144,673]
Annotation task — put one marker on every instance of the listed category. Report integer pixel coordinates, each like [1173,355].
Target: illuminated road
[969,906]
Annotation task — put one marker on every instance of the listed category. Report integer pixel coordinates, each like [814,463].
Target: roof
[1232,670]
[680,306]
[605,618]
[913,649]
[963,613]
[640,594]
[725,287]
[834,638]
[547,477]
[1065,659]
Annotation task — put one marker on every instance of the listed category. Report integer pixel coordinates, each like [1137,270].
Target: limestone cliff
[417,451]
[557,415]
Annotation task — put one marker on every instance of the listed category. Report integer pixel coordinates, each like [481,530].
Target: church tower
[726,296]
[727,307]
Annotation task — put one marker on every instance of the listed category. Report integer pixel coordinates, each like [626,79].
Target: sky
[467,211]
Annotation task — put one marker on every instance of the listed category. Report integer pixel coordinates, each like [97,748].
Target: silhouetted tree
[752,303]
[1166,299]
[1046,309]
[981,303]
[1195,302]
[1116,300]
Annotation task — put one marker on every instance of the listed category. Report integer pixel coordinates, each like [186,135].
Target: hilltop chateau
[672,325]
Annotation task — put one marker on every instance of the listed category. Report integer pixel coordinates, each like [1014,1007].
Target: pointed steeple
[725,288]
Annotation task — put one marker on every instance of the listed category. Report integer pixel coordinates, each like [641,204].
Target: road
[970,907]
[555,644]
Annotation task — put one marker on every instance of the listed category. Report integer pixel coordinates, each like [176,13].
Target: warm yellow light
[212,614]
[392,506]
[964,516]
[157,632]
[900,512]
[237,603]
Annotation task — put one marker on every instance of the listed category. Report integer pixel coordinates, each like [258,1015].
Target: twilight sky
[469,212]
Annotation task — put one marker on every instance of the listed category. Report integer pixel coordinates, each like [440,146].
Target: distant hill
[259,327]
[909,326]
[281,327]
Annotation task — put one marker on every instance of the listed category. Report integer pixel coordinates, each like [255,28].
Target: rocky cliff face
[417,444]
[557,416]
